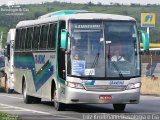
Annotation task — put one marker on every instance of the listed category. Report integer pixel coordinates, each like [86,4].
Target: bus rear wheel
[57,105]
[119,107]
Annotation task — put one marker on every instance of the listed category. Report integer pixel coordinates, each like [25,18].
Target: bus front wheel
[119,107]
[57,105]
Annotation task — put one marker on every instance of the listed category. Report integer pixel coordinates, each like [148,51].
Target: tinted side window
[52,36]
[17,40]
[22,39]
[44,37]
[36,36]
[29,37]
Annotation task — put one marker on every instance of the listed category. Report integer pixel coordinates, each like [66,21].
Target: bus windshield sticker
[78,67]
[89,71]
[101,39]
[134,35]
[108,42]
[126,72]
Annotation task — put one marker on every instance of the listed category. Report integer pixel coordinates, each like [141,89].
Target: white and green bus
[44,64]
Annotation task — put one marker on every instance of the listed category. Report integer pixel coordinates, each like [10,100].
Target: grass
[150,86]
[5,116]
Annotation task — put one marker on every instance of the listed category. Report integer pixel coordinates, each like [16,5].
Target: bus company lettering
[116,83]
[87,26]
[39,59]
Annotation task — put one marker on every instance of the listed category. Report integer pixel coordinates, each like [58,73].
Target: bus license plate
[105,97]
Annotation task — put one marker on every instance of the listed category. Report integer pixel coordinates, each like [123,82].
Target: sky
[81,1]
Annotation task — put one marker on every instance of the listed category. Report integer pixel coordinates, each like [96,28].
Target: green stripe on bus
[24,59]
[43,72]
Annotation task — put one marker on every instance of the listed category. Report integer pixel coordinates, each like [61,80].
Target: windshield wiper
[116,67]
[95,62]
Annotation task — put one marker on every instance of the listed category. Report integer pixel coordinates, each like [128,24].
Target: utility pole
[1,40]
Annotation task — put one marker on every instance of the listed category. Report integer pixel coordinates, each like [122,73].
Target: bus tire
[9,91]
[36,100]
[119,107]
[57,105]
[27,99]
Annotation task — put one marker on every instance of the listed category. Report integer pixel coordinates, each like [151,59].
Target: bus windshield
[101,49]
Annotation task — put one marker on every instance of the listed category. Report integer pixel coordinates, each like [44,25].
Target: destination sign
[88,26]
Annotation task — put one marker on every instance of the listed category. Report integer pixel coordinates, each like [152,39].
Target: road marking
[47,118]
[2,107]
[11,97]
[13,110]
[35,111]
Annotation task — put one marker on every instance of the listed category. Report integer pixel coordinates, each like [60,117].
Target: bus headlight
[74,85]
[133,86]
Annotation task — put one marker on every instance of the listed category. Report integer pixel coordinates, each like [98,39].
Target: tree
[99,4]
[90,4]
[37,14]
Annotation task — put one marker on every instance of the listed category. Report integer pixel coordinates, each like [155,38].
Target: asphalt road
[13,104]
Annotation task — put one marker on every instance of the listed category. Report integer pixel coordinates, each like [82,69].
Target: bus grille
[105,88]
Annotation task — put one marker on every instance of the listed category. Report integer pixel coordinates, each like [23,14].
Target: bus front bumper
[75,96]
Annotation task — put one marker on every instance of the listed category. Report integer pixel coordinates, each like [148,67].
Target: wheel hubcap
[24,91]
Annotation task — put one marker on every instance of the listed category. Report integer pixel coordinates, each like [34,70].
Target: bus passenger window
[36,35]
[52,36]
[29,37]
[43,37]
[17,40]
[22,39]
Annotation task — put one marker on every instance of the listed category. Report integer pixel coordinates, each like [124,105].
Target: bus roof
[62,12]
[79,15]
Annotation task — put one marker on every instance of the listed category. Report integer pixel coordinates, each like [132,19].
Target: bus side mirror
[5,51]
[64,38]
[145,40]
